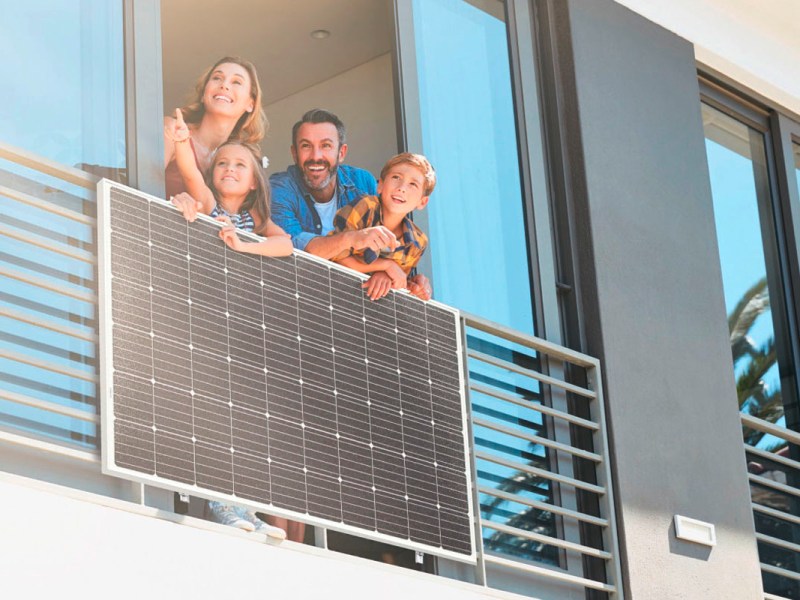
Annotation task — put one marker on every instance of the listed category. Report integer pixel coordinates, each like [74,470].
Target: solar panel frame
[180,483]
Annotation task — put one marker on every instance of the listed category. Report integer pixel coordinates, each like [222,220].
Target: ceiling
[275,36]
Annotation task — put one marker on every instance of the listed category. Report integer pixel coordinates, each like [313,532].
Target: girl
[227,105]
[233,190]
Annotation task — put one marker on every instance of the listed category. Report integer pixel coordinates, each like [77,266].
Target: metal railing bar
[47,166]
[774,512]
[781,487]
[788,462]
[47,244]
[537,439]
[546,539]
[49,285]
[546,379]
[50,207]
[774,597]
[67,411]
[781,572]
[49,366]
[558,510]
[545,410]
[773,541]
[530,341]
[552,574]
[563,479]
[767,427]
[39,321]
[49,447]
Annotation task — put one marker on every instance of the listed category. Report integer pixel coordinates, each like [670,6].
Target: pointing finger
[179,117]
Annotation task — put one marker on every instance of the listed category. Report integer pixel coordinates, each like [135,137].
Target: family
[318,205]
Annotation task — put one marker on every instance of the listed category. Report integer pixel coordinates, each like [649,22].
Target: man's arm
[420,286]
[332,246]
[391,268]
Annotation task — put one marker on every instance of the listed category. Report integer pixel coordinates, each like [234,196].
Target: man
[307,195]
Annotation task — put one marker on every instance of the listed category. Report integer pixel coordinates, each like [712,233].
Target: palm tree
[754,396]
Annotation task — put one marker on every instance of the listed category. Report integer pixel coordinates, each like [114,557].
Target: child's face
[233,171]
[402,189]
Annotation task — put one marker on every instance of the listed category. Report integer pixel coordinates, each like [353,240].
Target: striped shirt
[243,220]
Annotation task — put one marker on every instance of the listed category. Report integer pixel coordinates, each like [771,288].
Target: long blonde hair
[257,200]
[252,126]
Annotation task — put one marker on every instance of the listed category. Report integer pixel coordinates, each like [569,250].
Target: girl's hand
[188,206]
[228,235]
[177,130]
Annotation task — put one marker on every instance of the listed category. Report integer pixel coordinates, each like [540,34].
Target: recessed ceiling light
[320,34]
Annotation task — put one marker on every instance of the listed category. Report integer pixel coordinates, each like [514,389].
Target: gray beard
[325,182]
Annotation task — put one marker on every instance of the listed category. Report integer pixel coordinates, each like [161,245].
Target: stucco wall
[653,303]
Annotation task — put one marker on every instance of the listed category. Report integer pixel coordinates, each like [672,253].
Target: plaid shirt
[367,213]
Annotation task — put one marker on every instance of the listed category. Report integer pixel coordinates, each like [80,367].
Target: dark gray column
[647,284]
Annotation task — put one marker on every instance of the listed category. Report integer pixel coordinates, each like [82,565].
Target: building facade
[617,217]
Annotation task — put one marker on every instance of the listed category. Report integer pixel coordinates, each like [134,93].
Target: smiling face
[228,91]
[318,154]
[402,189]
[234,172]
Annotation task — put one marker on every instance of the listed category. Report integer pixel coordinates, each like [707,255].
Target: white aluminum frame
[106,369]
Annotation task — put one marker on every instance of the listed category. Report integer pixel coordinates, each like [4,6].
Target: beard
[332,170]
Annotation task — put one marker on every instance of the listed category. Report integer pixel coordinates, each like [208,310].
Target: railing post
[610,536]
[480,565]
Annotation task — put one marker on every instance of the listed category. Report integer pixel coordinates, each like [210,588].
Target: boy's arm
[391,268]
[187,163]
[338,245]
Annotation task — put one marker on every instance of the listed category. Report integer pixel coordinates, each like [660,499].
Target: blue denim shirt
[292,204]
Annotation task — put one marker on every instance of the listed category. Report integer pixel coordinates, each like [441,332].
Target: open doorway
[348,72]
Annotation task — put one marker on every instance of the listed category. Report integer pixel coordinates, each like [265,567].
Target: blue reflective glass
[64,82]
[476,226]
[742,211]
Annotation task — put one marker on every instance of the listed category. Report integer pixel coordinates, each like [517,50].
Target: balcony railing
[539,451]
[774,475]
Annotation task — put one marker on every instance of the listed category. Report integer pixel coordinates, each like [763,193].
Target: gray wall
[650,291]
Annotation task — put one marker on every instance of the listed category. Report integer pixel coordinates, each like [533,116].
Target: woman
[227,105]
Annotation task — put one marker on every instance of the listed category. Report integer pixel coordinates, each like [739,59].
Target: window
[67,84]
[752,283]
[753,222]
[65,103]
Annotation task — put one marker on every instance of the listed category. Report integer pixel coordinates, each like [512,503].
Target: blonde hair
[252,126]
[415,160]
[258,199]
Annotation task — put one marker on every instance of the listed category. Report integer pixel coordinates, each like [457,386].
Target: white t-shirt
[326,212]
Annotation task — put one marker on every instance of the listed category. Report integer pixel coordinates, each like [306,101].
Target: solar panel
[276,384]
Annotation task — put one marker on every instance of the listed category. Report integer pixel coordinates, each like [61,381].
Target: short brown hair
[415,160]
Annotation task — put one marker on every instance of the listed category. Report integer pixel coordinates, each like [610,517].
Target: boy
[406,183]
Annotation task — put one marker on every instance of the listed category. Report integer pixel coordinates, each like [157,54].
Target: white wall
[363,97]
[64,543]
[754,42]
